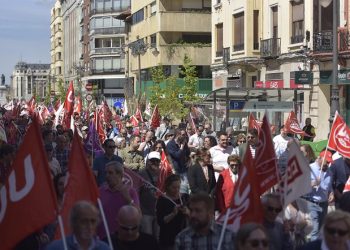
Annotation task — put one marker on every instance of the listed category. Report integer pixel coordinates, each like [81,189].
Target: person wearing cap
[317,199]
[148,195]
[170,135]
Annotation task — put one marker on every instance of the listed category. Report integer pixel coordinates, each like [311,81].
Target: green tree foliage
[61,91]
[167,96]
[47,99]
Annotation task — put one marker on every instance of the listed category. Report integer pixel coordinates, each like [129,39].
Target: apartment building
[30,79]
[265,45]
[56,27]
[163,32]
[107,36]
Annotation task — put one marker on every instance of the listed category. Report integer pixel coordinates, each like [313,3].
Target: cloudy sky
[24,33]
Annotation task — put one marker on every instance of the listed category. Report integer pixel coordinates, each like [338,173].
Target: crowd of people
[205,165]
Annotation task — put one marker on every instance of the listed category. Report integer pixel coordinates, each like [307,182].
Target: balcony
[108,10]
[270,48]
[344,40]
[323,42]
[179,21]
[296,39]
[108,31]
[226,55]
[107,71]
[105,51]
[174,54]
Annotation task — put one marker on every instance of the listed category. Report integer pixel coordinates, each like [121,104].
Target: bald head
[129,214]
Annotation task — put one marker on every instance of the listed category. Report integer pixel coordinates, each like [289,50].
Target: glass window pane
[99,64]
[125,4]
[108,4]
[107,64]
[107,43]
[99,4]
[99,23]
[107,22]
[116,4]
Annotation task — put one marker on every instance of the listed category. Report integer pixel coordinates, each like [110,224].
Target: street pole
[139,70]
[334,88]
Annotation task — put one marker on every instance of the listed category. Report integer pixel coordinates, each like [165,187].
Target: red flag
[246,205]
[77,105]
[155,118]
[31,106]
[57,105]
[339,139]
[253,123]
[292,125]
[68,106]
[106,113]
[165,171]
[28,199]
[138,115]
[133,179]
[43,113]
[347,186]
[134,121]
[81,183]
[99,126]
[265,159]
[193,125]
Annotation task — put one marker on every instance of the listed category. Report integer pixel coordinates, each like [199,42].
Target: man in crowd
[132,157]
[146,145]
[101,161]
[220,153]
[128,236]
[281,141]
[309,130]
[203,232]
[62,152]
[208,130]
[148,195]
[163,128]
[317,200]
[196,140]
[84,218]
[340,170]
[277,231]
[252,143]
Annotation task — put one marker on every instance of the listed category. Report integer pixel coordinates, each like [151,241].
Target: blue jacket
[58,245]
[179,156]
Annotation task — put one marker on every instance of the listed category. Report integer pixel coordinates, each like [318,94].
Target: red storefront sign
[276,84]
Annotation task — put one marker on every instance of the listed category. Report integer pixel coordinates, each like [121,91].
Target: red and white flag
[98,119]
[292,125]
[164,171]
[246,205]
[78,105]
[347,186]
[81,183]
[68,106]
[339,138]
[134,121]
[265,159]
[253,123]
[28,199]
[155,118]
[138,115]
[296,182]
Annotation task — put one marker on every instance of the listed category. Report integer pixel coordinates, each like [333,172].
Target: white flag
[125,108]
[297,179]
[59,115]
[148,109]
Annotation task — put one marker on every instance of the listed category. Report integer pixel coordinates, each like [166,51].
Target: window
[108,4]
[274,21]
[153,8]
[256,30]
[116,4]
[99,4]
[107,22]
[138,16]
[297,21]
[238,31]
[219,39]
[153,39]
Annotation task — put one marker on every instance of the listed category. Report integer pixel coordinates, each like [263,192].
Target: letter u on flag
[27,200]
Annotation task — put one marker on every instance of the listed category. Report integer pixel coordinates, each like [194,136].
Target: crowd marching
[122,182]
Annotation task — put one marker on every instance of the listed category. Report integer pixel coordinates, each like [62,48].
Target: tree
[190,88]
[47,99]
[61,90]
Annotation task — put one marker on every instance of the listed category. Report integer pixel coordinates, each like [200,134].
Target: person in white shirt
[280,142]
[220,153]
[196,140]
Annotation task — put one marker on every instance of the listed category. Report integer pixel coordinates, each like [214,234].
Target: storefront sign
[273,84]
[326,77]
[303,77]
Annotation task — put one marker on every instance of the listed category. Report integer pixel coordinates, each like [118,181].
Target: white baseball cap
[154,155]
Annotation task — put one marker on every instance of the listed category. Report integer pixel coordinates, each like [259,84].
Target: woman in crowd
[308,152]
[59,182]
[201,175]
[252,236]
[171,212]
[336,233]
[209,142]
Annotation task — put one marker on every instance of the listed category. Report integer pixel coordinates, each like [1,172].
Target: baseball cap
[84,128]
[327,155]
[154,155]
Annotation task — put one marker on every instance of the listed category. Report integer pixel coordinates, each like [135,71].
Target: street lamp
[334,88]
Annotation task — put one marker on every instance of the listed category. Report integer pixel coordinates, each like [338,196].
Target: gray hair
[270,196]
[117,166]
[76,210]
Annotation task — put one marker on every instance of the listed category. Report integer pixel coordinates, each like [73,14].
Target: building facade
[57,65]
[265,45]
[163,32]
[30,79]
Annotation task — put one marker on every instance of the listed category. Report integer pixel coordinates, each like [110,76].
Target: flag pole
[105,223]
[223,228]
[60,222]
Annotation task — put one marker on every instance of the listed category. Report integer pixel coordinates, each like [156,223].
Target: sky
[24,33]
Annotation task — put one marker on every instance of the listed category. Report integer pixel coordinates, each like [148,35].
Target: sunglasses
[111,146]
[243,141]
[154,160]
[250,137]
[131,228]
[334,231]
[273,209]
[256,243]
[234,165]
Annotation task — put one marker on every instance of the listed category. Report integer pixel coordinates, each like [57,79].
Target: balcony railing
[296,39]
[323,41]
[108,31]
[344,40]
[105,50]
[238,47]
[108,10]
[102,71]
[270,48]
